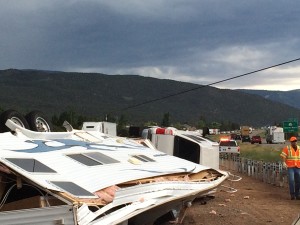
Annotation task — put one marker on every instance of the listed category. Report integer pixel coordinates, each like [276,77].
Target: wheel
[13,115]
[38,122]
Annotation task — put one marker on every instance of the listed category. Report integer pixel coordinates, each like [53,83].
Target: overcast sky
[197,41]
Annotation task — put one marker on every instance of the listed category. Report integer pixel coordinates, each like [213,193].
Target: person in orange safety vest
[291,161]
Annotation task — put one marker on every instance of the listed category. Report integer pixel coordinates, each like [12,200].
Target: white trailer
[85,178]
[275,135]
[214,131]
[278,137]
[275,138]
[187,145]
[103,127]
[274,129]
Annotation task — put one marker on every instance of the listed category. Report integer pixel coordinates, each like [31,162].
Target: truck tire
[38,122]
[13,115]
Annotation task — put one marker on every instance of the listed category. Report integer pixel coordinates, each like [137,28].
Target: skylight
[31,165]
[143,158]
[73,188]
[92,158]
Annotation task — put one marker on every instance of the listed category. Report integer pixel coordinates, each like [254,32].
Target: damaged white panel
[58,215]
[96,178]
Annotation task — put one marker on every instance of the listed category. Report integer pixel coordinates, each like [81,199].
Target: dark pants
[294,181]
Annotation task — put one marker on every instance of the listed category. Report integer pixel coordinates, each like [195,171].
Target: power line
[210,84]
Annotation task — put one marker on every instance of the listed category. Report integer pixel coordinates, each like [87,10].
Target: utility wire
[210,84]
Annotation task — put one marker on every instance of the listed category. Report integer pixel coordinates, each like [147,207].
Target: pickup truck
[229,146]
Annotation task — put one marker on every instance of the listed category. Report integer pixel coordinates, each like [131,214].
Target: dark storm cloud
[193,41]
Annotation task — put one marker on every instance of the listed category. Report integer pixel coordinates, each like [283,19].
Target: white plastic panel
[39,216]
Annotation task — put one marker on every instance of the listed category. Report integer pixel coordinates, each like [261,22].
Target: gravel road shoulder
[255,203]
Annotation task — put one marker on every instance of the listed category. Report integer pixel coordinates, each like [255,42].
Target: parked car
[256,139]
[246,139]
[228,146]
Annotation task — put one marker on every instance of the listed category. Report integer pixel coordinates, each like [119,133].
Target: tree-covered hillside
[138,98]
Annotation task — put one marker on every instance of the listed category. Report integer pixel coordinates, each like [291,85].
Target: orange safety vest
[292,157]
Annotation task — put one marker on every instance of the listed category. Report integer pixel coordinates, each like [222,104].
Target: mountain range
[141,99]
[287,97]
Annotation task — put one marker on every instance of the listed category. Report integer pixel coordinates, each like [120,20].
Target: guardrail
[271,173]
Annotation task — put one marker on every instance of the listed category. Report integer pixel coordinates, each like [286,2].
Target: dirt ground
[255,203]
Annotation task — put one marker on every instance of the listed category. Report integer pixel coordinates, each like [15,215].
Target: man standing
[291,161]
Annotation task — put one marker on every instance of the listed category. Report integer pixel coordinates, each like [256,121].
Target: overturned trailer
[89,178]
[189,145]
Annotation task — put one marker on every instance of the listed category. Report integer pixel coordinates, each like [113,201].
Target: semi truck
[245,131]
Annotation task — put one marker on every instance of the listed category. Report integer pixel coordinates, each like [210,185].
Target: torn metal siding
[96,177]
[101,182]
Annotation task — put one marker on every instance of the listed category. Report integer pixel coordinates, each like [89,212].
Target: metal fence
[271,173]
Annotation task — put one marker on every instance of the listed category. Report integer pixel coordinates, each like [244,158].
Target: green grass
[260,152]
[266,153]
